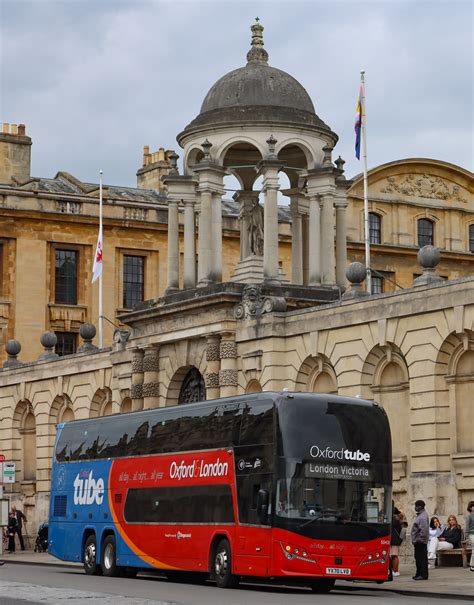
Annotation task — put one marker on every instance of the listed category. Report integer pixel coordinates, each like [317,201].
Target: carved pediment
[423,185]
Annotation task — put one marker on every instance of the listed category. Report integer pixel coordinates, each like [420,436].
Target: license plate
[338,571]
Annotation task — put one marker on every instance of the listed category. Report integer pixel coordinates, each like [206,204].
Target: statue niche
[251,215]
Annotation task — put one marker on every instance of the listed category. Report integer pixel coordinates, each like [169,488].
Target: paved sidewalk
[454,582]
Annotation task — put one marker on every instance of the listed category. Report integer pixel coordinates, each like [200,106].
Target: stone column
[228,372]
[173,246]
[136,392]
[211,376]
[296,242]
[151,386]
[341,243]
[205,242]
[216,236]
[314,244]
[270,221]
[189,280]
[327,240]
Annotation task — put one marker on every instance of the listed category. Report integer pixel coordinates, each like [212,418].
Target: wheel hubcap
[108,556]
[90,555]
[221,563]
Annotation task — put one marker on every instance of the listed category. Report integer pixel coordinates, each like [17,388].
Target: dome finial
[257,54]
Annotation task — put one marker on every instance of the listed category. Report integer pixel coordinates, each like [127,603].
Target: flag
[358,122]
[97,270]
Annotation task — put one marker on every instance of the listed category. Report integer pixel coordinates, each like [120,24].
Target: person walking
[419,538]
[469,531]
[20,517]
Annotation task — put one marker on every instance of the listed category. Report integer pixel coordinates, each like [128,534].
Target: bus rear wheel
[322,585]
[109,558]
[223,566]
[90,557]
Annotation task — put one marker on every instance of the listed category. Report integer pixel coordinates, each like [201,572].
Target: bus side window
[257,423]
[248,487]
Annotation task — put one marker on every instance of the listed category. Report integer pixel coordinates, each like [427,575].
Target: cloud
[95,81]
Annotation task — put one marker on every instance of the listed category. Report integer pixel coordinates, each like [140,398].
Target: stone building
[250,298]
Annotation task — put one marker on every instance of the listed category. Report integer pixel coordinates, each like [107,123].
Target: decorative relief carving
[150,389]
[212,380]
[212,351]
[423,185]
[67,207]
[193,387]
[228,349]
[134,214]
[151,360]
[253,304]
[228,378]
[136,392]
[137,363]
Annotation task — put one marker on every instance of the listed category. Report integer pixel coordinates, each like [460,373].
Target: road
[21,584]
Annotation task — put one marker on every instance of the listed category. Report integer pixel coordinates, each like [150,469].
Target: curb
[43,563]
[408,592]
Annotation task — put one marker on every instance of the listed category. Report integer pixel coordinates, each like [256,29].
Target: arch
[186,386]
[294,145]
[385,377]
[455,364]
[317,375]
[193,156]
[253,386]
[240,158]
[24,441]
[99,403]
[241,143]
[126,405]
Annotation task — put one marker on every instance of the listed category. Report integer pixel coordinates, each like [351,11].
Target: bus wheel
[322,585]
[223,566]
[109,559]
[90,561]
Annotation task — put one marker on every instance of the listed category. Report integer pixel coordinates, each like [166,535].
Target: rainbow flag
[358,122]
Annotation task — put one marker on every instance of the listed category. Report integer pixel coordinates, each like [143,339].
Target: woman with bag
[399,528]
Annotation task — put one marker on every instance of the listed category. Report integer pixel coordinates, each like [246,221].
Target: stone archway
[316,375]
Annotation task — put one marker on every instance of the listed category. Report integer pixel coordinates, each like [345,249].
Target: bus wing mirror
[262,505]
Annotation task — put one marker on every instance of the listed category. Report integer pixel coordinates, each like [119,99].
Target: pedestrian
[469,531]
[11,531]
[399,525]
[436,529]
[419,537]
[20,517]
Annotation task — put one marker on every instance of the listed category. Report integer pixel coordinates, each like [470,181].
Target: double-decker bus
[278,485]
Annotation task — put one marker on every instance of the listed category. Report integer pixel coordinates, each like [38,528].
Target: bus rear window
[184,504]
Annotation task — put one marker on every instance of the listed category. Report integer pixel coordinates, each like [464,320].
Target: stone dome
[257,94]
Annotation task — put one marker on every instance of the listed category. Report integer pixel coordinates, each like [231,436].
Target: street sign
[2,457]
[8,472]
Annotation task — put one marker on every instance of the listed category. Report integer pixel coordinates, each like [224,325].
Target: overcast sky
[94,81]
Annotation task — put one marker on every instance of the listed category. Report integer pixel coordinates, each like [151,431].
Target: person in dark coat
[11,528]
[20,517]
[419,537]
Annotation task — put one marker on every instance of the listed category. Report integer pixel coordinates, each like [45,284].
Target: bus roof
[276,396]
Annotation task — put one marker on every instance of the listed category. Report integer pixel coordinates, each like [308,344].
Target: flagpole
[101,317]
[366,187]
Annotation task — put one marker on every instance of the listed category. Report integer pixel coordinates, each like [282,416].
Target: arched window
[471,238]
[375,228]
[425,232]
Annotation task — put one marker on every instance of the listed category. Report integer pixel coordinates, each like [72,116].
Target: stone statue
[253,213]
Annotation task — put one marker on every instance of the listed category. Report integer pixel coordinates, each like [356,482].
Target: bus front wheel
[322,585]
[109,558]
[223,566]
[90,557]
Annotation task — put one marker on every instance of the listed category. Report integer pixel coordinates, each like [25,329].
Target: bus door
[253,547]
